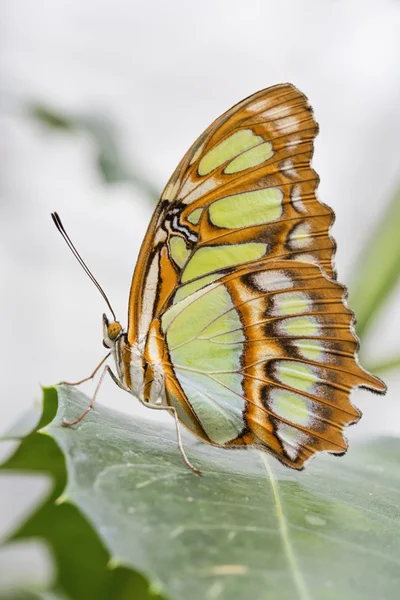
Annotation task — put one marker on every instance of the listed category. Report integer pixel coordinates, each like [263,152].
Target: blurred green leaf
[25,565]
[249,528]
[31,595]
[50,118]
[83,563]
[111,164]
[378,270]
[384,366]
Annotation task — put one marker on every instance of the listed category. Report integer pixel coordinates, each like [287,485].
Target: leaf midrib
[294,567]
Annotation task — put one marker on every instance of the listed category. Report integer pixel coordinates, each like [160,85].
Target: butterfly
[237,325]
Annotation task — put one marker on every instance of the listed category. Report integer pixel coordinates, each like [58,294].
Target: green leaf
[82,561]
[378,270]
[249,528]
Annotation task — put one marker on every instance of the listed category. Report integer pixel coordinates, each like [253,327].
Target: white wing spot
[268,281]
[288,124]
[308,258]
[295,141]
[288,168]
[277,112]
[297,202]
[300,236]
[189,193]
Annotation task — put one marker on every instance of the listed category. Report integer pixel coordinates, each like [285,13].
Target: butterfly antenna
[60,227]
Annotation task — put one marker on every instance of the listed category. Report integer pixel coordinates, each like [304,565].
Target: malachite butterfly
[237,324]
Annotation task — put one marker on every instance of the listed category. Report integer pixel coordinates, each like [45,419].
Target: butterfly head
[111,332]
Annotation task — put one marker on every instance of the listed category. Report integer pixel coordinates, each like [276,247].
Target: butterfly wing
[236,276]
[266,355]
[254,160]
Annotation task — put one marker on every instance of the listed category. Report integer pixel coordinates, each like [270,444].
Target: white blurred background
[160,72]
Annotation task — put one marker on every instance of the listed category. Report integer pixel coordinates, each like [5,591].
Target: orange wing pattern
[234,292]
[300,360]
[279,116]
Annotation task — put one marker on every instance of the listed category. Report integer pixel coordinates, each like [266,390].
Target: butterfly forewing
[247,178]
[235,280]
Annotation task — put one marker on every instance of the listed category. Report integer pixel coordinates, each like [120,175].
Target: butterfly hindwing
[267,356]
[235,281]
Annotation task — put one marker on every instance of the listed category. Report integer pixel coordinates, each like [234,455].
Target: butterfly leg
[106,369]
[172,410]
[90,376]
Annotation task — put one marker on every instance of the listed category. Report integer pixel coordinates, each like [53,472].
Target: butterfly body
[236,321]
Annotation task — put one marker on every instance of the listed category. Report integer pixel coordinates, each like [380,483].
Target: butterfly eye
[113,330]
